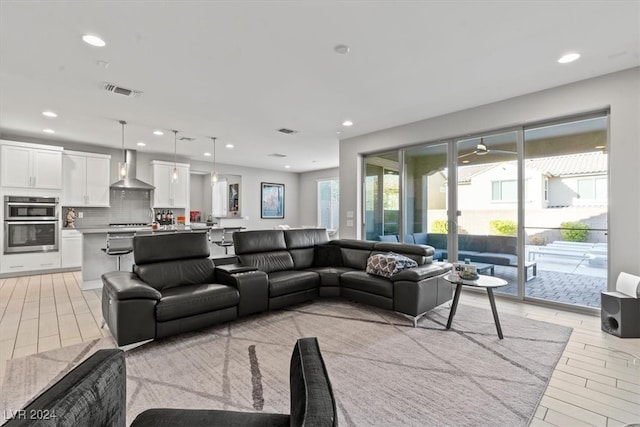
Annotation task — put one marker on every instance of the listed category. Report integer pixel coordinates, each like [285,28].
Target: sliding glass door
[425,202]
[566,214]
[529,205]
[487,205]
[382,197]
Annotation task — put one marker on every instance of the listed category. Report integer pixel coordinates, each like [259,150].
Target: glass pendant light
[214,174]
[122,166]
[174,174]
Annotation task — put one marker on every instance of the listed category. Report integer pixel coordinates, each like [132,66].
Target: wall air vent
[109,87]
[277,155]
[287,131]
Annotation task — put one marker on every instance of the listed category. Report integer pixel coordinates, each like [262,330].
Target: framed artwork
[272,203]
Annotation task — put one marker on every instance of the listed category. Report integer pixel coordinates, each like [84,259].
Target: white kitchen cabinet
[18,263]
[31,166]
[169,194]
[85,179]
[71,249]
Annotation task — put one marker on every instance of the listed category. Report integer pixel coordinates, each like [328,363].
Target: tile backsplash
[127,206]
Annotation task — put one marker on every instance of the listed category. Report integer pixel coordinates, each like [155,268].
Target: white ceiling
[239,70]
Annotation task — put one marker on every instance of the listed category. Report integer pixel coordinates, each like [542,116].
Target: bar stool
[118,246]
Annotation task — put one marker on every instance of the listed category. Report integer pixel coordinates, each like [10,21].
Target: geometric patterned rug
[383,371]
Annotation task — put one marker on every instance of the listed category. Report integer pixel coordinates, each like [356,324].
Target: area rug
[384,372]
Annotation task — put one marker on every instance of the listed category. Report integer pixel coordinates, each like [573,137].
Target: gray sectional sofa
[175,286]
[499,250]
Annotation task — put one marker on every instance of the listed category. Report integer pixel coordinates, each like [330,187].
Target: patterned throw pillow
[388,264]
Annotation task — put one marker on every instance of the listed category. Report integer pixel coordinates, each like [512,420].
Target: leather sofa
[302,264]
[94,394]
[172,289]
[175,287]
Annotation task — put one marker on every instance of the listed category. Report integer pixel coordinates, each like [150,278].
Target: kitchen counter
[147,229]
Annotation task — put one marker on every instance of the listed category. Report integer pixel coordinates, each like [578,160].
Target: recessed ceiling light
[158,132]
[600,147]
[93,40]
[229,146]
[207,154]
[49,114]
[141,144]
[347,123]
[48,131]
[465,161]
[569,57]
[341,49]
[287,166]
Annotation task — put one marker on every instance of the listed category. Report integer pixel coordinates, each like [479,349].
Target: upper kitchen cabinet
[31,166]
[86,179]
[170,194]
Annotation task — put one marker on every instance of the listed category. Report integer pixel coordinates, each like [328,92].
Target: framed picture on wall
[272,202]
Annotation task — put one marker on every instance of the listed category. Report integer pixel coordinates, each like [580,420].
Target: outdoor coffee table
[486,282]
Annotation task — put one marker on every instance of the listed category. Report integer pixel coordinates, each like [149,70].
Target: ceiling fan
[481,150]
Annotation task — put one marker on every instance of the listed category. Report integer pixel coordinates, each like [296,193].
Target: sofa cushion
[268,261]
[420,239]
[496,258]
[362,281]
[422,272]
[305,237]
[302,258]
[190,300]
[169,274]
[170,247]
[437,240]
[246,242]
[330,276]
[327,256]
[501,244]
[388,264]
[287,282]
[472,243]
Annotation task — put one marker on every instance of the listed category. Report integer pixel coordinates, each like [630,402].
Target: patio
[560,279]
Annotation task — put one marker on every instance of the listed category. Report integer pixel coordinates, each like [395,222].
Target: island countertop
[147,229]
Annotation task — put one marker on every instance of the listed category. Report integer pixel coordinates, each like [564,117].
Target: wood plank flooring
[596,382]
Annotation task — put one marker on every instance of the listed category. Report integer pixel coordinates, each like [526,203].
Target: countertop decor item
[70,218]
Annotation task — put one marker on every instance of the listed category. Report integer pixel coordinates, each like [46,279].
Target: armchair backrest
[92,394]
[312,400]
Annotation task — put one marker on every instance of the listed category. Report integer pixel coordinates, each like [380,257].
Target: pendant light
[174,174]
[214,174]
[122,166]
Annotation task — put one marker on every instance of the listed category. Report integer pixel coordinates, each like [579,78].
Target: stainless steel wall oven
[30,224]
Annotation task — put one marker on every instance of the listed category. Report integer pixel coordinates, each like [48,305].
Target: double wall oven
[30,224]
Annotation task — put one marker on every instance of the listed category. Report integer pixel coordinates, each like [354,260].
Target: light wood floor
[596,382]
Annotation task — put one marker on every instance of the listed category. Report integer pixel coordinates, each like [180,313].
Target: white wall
[618,91]
[309,194]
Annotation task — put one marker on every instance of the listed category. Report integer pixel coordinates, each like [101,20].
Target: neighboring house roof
[572,164]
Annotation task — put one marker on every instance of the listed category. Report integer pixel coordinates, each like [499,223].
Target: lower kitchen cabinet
[71,249]
[18,263]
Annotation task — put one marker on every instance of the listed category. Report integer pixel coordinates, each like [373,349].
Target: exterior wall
[620,92]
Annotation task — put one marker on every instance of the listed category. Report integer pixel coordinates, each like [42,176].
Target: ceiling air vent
[287,131]
[109,87]
[277,155]
[186,138]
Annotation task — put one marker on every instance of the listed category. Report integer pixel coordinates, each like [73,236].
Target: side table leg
[456,297]
[492,301]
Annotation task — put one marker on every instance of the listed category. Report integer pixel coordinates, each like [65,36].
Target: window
[592,188]
[504,190]
[328,209]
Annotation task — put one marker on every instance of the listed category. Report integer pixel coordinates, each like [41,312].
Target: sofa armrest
[125,285]
[422,272]
[234,268]
[252,284]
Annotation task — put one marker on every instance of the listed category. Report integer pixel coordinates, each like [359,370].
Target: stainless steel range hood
[131,182]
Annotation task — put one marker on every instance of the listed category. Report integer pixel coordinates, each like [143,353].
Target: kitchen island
[95,262]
